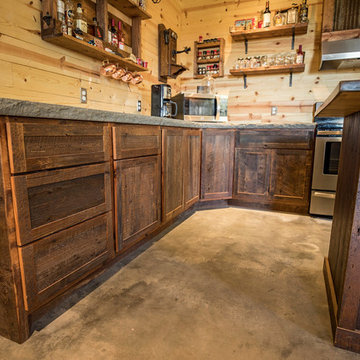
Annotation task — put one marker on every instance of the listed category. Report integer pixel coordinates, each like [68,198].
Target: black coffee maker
[161,103]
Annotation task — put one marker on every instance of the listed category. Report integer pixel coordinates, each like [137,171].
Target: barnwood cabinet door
[252,174]
[137,198]
[290,176]
[49,201]
[172,176]
[217,164]
[35,146]
[57,261]
[192,160]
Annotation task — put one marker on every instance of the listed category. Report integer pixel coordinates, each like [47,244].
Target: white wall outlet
[83,96]
[274,110]
[139,105]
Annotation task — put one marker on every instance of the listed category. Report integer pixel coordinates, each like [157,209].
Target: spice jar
[264,61]
[212,54]
[199,55]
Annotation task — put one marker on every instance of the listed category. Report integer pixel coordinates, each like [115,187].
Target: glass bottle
[80,20]
[120,36]
[304,12]
[69,15]
[267,16]
[60,9]
[278,19]
[300,56]
[114,34]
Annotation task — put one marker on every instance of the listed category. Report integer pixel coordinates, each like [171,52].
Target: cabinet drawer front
[133,141]
[55,262]
[275,139]
[42,146]
[50,201]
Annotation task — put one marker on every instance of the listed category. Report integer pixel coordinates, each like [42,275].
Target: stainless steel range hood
[342,54]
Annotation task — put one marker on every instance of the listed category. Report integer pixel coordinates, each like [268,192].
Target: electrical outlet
[83,96]
[274,110]
[139,106]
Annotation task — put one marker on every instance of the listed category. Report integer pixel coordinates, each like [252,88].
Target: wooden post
[328,15]
[136,36]
[102,17]
[13,317]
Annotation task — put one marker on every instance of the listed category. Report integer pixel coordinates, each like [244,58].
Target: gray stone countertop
[10,107]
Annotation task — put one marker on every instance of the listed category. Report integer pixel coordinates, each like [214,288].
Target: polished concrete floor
[224,284]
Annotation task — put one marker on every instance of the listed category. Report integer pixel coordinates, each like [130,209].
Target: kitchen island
[82,188]
[342,267]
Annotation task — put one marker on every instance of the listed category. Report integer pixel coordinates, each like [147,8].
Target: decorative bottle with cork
[267,16]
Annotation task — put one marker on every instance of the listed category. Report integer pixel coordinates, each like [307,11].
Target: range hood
[341,54]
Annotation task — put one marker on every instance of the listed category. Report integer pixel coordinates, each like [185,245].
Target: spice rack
[269,32]
[51,30]
[215,58]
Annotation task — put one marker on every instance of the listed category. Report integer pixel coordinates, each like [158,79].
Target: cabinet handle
[324,195]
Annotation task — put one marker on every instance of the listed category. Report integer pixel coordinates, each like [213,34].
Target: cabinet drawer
[134,141]
[55,262]
[43,146]
[50,201]
[275,139]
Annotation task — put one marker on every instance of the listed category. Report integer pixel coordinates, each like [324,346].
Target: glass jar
[253,62]
[247,62]
[204,55]
[237,64]
[264,61]
[208,83]
[257,61]
[271,60]
[279,60]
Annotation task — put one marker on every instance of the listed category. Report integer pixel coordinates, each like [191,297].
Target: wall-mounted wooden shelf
[130,8]
[80,46]
[207,45]
[280,69]
[274,31]
[208,61]
[202,76]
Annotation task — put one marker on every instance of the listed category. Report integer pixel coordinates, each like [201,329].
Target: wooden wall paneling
[136,36]
[38,146]
[254,104]
[14,322]
[56,262]
[50,201]
[328,15]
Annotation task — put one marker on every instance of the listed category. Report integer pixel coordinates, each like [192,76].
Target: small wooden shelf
[280,69]
[130,8]
[274,31]
[207,45]
[202,76]
[82,47]
[208,61]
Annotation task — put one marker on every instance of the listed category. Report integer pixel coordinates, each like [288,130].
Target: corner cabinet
[273,169]
[217,164]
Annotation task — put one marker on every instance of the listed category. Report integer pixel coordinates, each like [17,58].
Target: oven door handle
[324,195]
[217,104]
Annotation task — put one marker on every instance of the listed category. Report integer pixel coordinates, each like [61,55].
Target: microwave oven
[201,107]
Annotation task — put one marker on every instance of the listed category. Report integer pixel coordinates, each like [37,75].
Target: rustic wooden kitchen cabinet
[137,176]
[181,170]
[273,169]
[217,164]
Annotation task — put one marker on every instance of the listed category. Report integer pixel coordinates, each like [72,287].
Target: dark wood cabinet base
[343,338]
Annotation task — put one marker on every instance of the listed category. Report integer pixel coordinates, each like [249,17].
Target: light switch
[274,110]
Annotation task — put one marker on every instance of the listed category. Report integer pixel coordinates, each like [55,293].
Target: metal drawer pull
[324,195]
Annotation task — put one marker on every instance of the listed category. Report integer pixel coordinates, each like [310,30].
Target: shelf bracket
[291,79]
[293,39]
[245,82]
[246,46]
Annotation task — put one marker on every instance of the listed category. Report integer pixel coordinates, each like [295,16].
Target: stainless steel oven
[325,173]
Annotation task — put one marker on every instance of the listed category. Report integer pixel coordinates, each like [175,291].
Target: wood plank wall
[213,19]
[31,69]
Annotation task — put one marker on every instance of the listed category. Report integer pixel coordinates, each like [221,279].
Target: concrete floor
[224,284]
